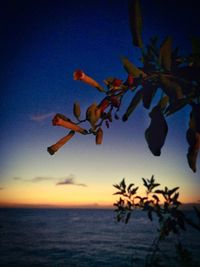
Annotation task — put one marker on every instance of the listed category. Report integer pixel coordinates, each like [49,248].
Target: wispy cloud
[35,179]
[41,117]
[1,188]
[41,179]
[70,181]
[17,178]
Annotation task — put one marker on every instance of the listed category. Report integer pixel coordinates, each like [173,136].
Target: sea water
[80,238]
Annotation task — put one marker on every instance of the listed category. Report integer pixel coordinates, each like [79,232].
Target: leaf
[156,198]
[118,193]
[134,102]
[123,184]
[171,88]
[170,192]
[156,133]
[135,19]
[149,91]
[193,139]
[145,182]
[131,68]
[196,50]
[77,110]
[116,186]
[159,191]
[192,158]
[175,106]
[93,114]
[165,54]
[99,136]
[134,190]
[162,104]
[195,118]
[129,187]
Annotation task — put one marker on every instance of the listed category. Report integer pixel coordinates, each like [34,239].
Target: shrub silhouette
[162,205]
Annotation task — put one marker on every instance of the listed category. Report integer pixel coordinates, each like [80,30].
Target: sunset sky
[42,43]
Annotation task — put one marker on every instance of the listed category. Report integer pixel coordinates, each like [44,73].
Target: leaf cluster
[162,205]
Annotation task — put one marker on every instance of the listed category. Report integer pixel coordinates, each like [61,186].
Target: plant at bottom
[163,205]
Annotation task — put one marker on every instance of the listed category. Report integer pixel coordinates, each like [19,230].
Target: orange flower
[80,75]
[52,149]
[59,120]
[99,136]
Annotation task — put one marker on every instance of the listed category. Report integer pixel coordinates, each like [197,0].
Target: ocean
[81,238]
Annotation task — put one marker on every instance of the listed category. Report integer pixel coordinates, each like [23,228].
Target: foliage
[163,205]
[164,70]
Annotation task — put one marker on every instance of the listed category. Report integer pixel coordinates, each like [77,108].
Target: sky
[42,44]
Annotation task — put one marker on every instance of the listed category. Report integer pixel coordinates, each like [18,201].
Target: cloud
[35,179]
[17,178]
[1,188]
[41,117]
[40,179]
[70,181]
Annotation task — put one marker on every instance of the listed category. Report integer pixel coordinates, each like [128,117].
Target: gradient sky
[42,43]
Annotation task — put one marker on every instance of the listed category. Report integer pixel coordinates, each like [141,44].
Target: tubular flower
[130,81]
[104,104]
[52,149]
[80,75]
[116,83]
[99,136]
[58,120]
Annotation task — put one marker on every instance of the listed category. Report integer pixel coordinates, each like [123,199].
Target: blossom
[52,149]
[80,75]
[59,120]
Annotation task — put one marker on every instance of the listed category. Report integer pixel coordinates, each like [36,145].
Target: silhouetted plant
[164,71]
[162,205]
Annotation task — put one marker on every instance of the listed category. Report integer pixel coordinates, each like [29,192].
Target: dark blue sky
[42,43]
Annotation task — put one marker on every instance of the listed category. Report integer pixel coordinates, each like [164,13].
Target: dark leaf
[192,158]
[149,91]
[159,191]
[156,198]
[195,118]
[171,88]
[118,193]
[116,186]
[129,187]
[162,104]
[135,101]
[132,69]
[165,54]
[196,50]
[135,19]
[123,184]
[134,190]
[145,182]
[156,133]
[170,192]
[175,106]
